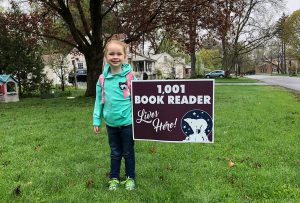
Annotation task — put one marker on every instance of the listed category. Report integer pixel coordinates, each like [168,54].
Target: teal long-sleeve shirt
[116,109]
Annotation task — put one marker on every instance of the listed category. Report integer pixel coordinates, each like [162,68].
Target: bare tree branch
[83,19]
[111,7]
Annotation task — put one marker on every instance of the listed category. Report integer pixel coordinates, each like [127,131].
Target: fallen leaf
[231,164]
[37,148]
[89,183]
[152,150]
[17,190]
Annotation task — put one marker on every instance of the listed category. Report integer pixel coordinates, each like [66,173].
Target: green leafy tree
[21,57]
[211,58]
[292,27]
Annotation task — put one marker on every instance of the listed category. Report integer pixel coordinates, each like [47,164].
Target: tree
[292,27]
[282,34]
[211,58]
[88,25]
[25,63]
[21,57]
[190,21]
[58,65]
[243,26]
[157,38]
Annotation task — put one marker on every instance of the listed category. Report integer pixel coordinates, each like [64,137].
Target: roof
[5,78]
[157,56]
[139,57]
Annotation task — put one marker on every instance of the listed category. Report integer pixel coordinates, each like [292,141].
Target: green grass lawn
[49,153]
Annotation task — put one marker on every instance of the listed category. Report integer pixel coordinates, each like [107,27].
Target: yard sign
[173,110]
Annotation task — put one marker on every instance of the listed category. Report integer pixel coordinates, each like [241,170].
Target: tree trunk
[284,58]
[282,68]
[193,64]
[225,57]
[94,63]
[193,50]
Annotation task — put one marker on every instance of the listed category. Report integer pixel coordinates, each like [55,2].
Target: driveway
[284,81]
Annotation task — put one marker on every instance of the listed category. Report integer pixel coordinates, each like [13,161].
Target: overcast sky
[293,5]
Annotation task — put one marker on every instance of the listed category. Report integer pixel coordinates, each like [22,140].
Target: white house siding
[168,64]
[79,62]
[163,62]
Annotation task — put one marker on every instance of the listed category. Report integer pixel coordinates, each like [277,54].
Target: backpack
[126,91]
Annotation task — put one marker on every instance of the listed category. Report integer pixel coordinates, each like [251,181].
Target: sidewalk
[245,83]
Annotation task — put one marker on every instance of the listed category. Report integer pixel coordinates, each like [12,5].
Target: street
[284,81]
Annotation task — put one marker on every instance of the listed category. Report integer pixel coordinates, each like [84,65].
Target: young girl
[116,110]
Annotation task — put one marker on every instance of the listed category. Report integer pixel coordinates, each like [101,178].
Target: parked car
[215,74]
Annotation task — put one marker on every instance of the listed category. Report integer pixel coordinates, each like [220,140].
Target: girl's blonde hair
[124,45]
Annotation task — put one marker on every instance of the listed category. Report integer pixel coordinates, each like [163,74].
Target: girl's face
[115,55]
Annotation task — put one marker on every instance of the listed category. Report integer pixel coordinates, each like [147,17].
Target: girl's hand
[97,129]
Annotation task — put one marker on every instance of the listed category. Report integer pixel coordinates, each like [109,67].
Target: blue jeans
[121,145]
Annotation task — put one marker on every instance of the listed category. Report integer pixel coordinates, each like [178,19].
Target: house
[293,65]
[158,66]
[8,89]
[143,65]
[169,67]
[268,67]
[73,62]
[265,68]
[77,63]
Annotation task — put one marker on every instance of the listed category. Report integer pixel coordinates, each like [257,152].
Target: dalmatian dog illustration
[122,85]
[198,126]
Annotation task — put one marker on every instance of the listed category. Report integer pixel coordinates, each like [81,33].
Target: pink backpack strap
[129,78]
[101,80]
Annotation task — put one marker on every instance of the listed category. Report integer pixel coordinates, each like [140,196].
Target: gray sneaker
[129,184]
[113,184]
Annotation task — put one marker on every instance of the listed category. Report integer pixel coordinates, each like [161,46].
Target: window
[165,59]
[80,65]
[11,87]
